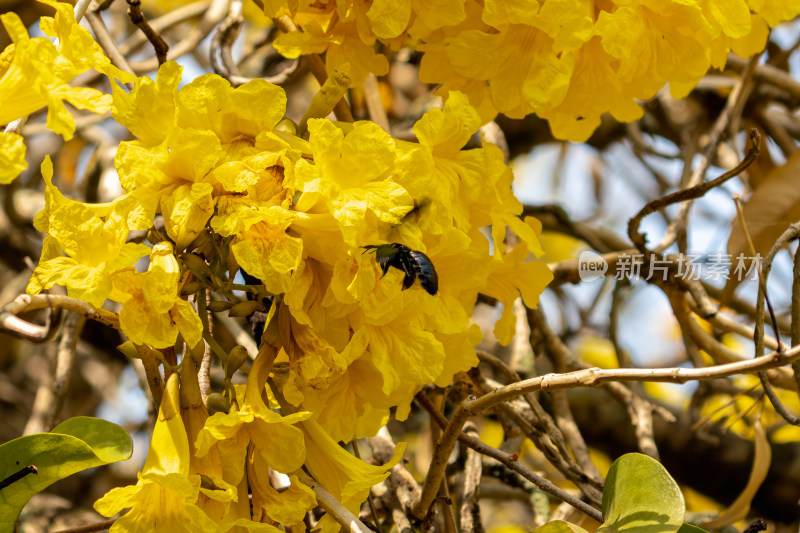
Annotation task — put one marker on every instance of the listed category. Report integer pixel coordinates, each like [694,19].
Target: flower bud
[243,308]
[236,358]
[218,402]
[219,305]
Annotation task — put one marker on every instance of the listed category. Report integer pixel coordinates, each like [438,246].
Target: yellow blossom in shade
[346,477]
[287,507]
[262,245]
[217,498]
[311,356]
[164,499]
[153,312]
[436,68]
[595,89]
[775,11]
[352,173]
[12,157]
[391,18]
[753,42]
[238,518]
[343,42]
[85,247]
[528,60]
[275,438]
[460,350]
[731,16]
[543,56]
[406,355]
[511,278]
[654,43]
[36,73]
[310,287]
[186,209]
[345,409]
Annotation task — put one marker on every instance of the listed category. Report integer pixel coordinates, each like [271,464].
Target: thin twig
[164,22]
[339,512]
[763,272]
[137,17]
[554,446]
[213,15]
[372,95]
[592,377]
[777,131]
[796,312]
[154,381]
[719,352]
[11,324]
[90,528]
[36,422]
[222,42]
[204,373]
[727,324]
[730,114]
[439,462]
[684,195]
[727,404]
[65,361]
[377,522]
[107,42]
[560,356]
[767,74]
[405,488]
[510,462]
[549,442]
[26,302]
[776,402]
[470,511]
[80,9]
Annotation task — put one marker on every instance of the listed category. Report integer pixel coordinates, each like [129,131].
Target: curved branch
[592,377]
[12,324]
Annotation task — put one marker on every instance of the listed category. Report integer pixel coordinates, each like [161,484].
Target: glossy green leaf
[74,445]
[559,526]
[640,496]
[689,528]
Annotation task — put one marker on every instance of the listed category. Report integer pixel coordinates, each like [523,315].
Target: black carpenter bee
[412,263]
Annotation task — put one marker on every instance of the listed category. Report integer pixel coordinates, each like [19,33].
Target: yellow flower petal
[347,478]
[12,157]
[187,209]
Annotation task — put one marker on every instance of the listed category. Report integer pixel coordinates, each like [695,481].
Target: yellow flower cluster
[568,61]
[35,73]
[238,190]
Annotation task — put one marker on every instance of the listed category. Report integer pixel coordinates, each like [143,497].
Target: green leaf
[689,528]
[641,496]
[558,526]
[74,445]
